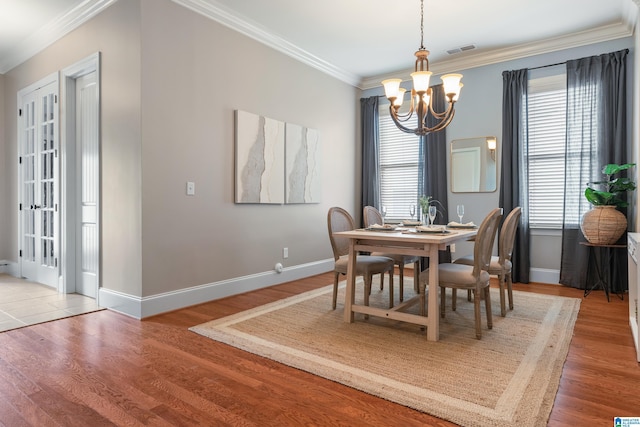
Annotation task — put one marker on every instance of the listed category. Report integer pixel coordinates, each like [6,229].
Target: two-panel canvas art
[276,162]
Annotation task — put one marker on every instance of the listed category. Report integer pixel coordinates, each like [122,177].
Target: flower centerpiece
[605,224]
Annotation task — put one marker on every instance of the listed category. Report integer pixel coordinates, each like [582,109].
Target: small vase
[603,225]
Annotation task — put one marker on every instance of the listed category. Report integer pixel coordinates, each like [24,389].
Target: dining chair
[367,266]
[373,216]
[502,265]
[476,278]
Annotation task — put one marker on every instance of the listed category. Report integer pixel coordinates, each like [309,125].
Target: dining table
[405,241]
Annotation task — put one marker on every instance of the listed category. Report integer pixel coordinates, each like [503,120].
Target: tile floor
[24,303]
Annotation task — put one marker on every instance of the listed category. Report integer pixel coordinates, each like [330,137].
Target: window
[399,160]
[545,156]
[549,155]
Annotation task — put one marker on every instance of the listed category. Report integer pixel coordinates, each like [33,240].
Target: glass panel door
[39,221]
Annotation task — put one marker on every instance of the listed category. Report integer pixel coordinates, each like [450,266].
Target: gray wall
[115,33]
[479,113]
[194,78]
[171,80]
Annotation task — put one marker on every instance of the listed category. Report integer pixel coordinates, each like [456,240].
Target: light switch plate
[191,188]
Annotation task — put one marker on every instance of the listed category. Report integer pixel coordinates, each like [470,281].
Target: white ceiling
[359,41]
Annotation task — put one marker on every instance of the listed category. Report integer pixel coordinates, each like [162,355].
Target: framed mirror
[474,165]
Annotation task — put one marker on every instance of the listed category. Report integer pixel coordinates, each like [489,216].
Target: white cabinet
[633,249]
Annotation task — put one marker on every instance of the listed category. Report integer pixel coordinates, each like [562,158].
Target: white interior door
[39,184]
[88,190]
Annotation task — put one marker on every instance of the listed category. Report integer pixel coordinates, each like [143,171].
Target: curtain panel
[432,172]
[596,136]
[370,152]
[513,183]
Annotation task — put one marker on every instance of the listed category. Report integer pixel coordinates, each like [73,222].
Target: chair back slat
[339,219]
[484,241]
[508,234]
[371,216]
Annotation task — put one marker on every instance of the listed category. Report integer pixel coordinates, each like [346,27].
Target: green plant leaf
[612,191]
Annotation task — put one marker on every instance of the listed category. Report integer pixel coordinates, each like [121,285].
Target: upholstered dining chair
[476,277]
[502,265]
[373,216]
[367,266]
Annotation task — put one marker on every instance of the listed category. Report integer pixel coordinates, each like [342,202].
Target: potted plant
[604,224]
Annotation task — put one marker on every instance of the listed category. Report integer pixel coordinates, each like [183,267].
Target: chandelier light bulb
[457,95]
[451,83]
[421,80]
[400,99]
[391,88]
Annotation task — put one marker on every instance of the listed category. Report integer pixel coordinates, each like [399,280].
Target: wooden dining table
[406,242]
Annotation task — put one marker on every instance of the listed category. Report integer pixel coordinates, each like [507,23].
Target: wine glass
[384,213]
[432,214]
[460,210]
[412,211]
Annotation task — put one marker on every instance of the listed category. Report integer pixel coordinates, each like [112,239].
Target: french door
[39,176]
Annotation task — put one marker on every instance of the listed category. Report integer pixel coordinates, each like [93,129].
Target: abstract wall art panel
[302,169]
[259,159]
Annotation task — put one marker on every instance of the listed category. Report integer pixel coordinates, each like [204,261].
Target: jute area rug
[509,377]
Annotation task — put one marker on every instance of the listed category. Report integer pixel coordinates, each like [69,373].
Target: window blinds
[546,150]
[399,157]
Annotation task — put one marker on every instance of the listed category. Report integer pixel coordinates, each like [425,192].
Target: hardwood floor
[104,368]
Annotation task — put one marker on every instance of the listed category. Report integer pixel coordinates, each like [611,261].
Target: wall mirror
[473,165]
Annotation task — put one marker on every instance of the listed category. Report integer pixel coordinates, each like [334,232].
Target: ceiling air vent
[461,49]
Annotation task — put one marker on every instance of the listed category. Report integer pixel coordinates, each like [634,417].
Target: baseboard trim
[141,308]
[544,275]
[9,267]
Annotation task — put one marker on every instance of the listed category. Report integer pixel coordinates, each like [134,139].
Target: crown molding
[630,13]
[53,31]
[582,38]
[213,10]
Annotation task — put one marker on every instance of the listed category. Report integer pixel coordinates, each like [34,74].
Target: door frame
[69,172]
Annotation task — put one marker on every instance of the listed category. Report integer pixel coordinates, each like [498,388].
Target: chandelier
[421,99]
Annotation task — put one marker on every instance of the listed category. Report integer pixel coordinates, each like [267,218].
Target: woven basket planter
[603,225]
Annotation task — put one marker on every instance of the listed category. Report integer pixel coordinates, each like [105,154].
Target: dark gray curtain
[432,169]
[370,151]
[514,170]
[596,136]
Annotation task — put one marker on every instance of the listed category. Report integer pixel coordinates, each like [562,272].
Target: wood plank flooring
[105,369]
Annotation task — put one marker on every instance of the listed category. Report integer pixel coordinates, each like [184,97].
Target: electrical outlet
[191,188]
[285,253]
